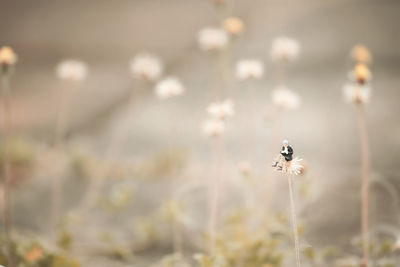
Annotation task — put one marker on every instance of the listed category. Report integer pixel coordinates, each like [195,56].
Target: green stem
[7,168]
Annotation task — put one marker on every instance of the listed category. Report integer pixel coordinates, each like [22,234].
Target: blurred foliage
[34,254]
[21,155]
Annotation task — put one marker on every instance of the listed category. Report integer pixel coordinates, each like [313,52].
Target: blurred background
[128,164]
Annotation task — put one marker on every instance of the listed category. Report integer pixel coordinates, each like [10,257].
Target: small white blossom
[73,70]
[285,98]
[284,48]
[212,39]
[213,127]
[146,66]
[169,87]
[249,69]
[354,93]
[221,110]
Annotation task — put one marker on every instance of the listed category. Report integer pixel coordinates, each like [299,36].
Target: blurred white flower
[212,39]
[7,56]
[284,48]
[221,110]
[361,54]
[360,74]
[213,127]
[285,98]
[169,87]
[73,70]
[234,26]
[357,94]
[146,66]
[244,167]
[249,69]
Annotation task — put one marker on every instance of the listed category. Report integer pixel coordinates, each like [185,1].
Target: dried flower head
[284,48]
[7,56]
[285,98]
[146,66]
[213,127]
[361,74]
[234,26]
[361,54]
[169,87]
[244,168]
[73,70]
[221,110]
[357,94]
[249,69]
[292,167]
[212,39]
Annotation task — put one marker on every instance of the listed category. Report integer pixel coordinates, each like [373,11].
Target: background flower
[221,110]
[234,26]
[213,127]
[249,69]
[285,98]
[354,93]
[169,87]
[7,56]
[73,70]
[285,48]
[146,66]
[212,39]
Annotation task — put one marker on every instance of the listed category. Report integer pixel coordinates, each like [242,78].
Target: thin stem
[112,150]
[294,221]
[7,168]
[59,135]
[215,184]
[365,182]
[251,125]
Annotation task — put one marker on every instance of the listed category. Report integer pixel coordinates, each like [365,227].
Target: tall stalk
[215,185]
[60,131]
[7,168]
[294,221]
[365,181]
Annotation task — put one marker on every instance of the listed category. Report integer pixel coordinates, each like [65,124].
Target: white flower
[169,87]
[146,66]
[360,74]
[249,69]
[354,93]
[234,26]
[221,110]
[285,98]
[244,167]
[73,70]
[213,127]
[284,48]
[361,54]
[212,39]
[7,56]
